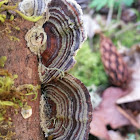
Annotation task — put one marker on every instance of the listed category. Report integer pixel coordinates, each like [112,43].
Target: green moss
[89,68]
[128,38]
[8,103]
[11,96]
[2,61]
[13,8]
[2,2]
[31,18]
[1,117]
[9,135]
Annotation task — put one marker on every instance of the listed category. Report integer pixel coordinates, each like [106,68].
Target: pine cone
[115,67]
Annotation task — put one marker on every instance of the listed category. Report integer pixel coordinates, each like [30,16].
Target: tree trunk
[22,62]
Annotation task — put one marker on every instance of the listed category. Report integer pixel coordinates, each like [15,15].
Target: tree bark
[22,62]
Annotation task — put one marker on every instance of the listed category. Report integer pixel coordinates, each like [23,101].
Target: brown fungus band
[66,109]
[56,37]
[65,33]
[33,7]
[114,64]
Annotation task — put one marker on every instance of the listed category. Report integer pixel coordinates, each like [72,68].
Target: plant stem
[119,11]
[127,28]
[110,13]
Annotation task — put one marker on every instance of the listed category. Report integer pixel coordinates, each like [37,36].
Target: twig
[129,117]
[126,29]
[110,13]
[119,11]
[113,26]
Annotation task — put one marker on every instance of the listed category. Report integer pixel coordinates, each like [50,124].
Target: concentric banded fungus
[33,7]
[113,62]
[65,33]
[64,29]
[37,41]
[66,108]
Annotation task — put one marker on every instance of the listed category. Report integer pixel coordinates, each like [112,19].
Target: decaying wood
[22,62]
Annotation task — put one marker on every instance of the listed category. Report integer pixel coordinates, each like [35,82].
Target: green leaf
[101,5]
[98,4]
[128,2]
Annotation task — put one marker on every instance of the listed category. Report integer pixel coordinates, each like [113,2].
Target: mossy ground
[89,68]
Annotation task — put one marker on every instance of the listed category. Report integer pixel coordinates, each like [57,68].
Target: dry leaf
[114,135]
[132,58]
[107,113]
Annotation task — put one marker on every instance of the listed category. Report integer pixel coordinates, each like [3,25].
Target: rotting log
[22,62]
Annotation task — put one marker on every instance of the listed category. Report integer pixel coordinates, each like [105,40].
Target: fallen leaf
[129,115]
[132,58]
[115,135]
[107,113]
[98,127]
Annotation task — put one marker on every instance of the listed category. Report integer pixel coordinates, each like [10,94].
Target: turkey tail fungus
[66,109]
[64,33]
[65,106]
[114,64]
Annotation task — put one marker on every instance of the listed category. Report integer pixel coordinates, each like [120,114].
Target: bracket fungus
[66,109]
[33,7]
[37,42]
[65,33]
[65,106]
[114,64]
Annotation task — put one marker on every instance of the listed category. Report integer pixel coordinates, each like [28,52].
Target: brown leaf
[132,58]
[129,115]
[114,135]
[130,103]
[107,113]
[98,127]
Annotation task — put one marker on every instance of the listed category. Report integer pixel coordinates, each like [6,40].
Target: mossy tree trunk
[22,62]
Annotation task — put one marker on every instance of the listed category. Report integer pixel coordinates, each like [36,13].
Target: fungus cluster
[65,106]
[68,109]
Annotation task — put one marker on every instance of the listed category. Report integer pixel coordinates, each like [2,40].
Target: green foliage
[125,2]
[89,68]
[131,137]
[8,136]
[98,4]
[127,38]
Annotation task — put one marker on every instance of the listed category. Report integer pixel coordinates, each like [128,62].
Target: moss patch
[89,68]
